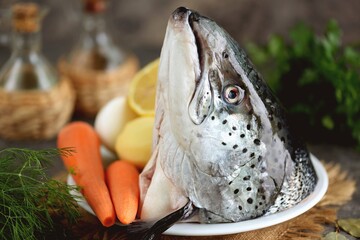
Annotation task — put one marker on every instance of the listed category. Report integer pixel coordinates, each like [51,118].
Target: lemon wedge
[141,96]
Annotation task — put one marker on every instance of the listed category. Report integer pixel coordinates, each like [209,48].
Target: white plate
[196,229]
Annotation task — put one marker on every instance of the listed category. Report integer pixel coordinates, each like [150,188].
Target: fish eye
[233,94]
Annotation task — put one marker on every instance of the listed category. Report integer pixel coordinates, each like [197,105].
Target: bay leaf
[351,226]
[334,236]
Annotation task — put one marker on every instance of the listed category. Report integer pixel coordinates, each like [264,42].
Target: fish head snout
[181,14]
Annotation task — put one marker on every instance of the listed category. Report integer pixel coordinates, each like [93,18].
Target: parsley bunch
[317,80]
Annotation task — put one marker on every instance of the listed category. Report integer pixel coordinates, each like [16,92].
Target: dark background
[140,25]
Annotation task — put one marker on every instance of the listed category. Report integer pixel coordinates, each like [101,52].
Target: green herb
[28,197]
[317,79]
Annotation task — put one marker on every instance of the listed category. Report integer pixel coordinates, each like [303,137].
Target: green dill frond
[28,197]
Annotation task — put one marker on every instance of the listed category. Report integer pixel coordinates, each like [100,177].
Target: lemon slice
[143,89]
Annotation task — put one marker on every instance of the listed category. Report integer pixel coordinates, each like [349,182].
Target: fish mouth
[201,101]
[189,17]
[200,43]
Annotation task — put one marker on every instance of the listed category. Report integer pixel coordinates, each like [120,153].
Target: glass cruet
[35,101]
[27,68]
[98,66]
[95,48]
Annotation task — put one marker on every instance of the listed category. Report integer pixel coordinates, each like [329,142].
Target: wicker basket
[36,114]
[95,88]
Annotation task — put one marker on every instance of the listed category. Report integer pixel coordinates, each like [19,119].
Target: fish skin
[233,160]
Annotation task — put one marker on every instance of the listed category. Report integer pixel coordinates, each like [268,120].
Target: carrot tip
[108,222]
[126,220]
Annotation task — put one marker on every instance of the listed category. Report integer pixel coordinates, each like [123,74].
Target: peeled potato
[111,119]
[134,142]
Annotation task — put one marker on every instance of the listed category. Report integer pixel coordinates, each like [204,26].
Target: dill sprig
[28,197]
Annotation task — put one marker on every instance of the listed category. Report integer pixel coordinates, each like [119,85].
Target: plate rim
[216,229]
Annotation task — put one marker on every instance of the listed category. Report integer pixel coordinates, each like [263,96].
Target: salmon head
[221,138]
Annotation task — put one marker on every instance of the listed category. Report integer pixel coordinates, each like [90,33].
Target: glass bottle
[27,68]
[98,67]
[34,101]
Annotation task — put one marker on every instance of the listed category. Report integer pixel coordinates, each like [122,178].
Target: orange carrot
[86,167]
[123,182]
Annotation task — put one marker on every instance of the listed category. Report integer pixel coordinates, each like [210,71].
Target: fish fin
[152,230]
